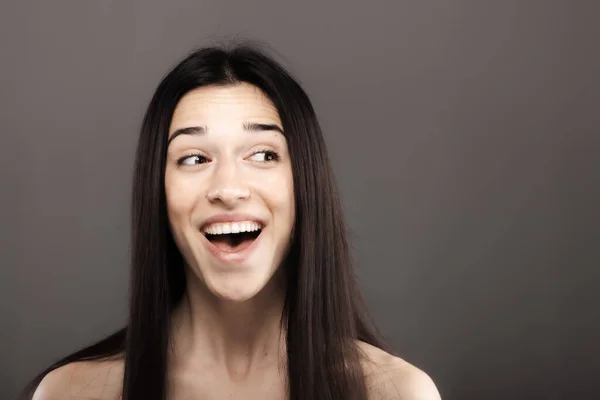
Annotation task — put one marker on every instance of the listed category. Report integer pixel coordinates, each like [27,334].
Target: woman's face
[229,188]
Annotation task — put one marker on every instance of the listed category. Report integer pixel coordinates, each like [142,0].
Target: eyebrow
[254,127]
[247,126]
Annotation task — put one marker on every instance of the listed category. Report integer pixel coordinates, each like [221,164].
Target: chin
[238,282]
[237,289]
[239,296]
[235,276]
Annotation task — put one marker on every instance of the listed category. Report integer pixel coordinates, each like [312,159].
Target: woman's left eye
[265,156]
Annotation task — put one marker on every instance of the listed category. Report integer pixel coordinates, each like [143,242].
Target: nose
[226,187]
[228,195]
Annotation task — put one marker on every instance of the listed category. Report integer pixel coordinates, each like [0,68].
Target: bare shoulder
[83,380]
[391,378]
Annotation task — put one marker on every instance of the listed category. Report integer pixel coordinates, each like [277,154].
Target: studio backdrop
[465,137]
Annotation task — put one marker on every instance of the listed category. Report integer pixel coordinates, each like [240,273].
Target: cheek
[291,202]
[180,195]
[282,194]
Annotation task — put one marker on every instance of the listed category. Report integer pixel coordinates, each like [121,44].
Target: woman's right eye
[192,159]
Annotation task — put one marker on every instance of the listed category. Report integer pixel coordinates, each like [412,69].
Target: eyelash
[182,159]
[267,152]
[275,157]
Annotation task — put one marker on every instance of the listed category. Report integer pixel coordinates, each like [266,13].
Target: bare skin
[387,378]
[231,159]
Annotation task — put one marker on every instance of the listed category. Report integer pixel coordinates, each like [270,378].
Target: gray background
[464,134]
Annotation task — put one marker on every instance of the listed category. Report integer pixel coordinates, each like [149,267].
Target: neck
[238,336]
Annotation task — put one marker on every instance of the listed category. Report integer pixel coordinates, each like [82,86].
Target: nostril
[228,194]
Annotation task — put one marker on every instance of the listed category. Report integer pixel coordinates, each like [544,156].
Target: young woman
[242,285]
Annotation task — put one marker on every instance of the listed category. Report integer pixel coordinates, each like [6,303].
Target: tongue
[233,242]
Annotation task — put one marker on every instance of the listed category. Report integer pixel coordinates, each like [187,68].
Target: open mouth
[232,238]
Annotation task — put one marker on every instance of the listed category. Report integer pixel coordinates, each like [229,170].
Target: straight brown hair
[324,314]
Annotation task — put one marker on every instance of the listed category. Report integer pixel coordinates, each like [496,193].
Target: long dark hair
[324,314]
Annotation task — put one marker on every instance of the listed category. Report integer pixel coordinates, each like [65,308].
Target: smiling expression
[229,188]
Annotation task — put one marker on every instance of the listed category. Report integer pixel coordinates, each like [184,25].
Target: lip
[235,256]
[232,256]
[231,217]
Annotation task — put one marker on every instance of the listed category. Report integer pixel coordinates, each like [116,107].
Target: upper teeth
[222,228]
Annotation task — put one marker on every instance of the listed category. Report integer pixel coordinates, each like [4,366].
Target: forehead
[216,106]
